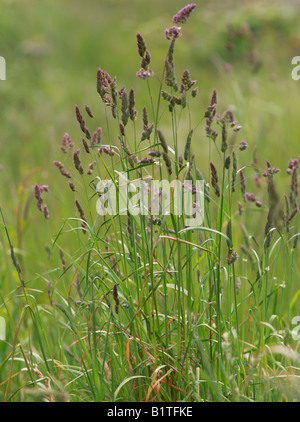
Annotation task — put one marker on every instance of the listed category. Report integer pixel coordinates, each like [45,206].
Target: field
[144,307]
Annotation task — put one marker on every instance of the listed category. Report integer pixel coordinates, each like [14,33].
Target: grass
[136,308]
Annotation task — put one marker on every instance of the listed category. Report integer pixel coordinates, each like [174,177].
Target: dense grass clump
[152,306]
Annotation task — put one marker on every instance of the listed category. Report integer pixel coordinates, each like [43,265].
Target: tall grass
[142,307]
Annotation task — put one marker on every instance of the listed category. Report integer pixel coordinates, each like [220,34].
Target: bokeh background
[243,49]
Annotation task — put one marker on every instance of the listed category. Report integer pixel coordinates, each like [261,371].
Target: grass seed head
[97,135]
[77,162]
[141,45]
[88,111]
[173,32]
[163,141]
[85,145]
[215,179]
[66,143]
[184,13]
[243,185]
[187,148]
[72,186]
[131,104]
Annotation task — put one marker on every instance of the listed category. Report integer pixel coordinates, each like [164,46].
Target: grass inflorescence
[149,308]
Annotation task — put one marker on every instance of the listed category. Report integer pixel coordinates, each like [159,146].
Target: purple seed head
[184,13]
[163,141]
[124,146]
[232,257]
[173,32]
[89,111]
[243,145]
[187,148]
[237,128]
[145,118]
[132,159]
[141,44]
[38,195]
[65,173]
[167,162]
[292,164]
[154,153]
[124,107]
[250,197]
[72,186]
[166,96]
[146,60]
[37,191]
[131,104]
[210,133]
[82,216]
[293,213]
[270,170]
[147,132]
[294,183]
[106,150]
[103,86]
[99,80]
[213,100]
[243,184]
[214,173]
[234,160]
[228,117]
[234,170]
[87,133]
[170,79]
[46,212]
[240,208]
[81,122]
[224,137]
[58,164]
[214,179]
[79,118]
[77,162]
[86,147]
[194,92]
[96,139]
[170,55]
[66,143]
[91,167]
[146,160]
[257,181]
[62,258]
[144,74]
[122,129]
[115,294]
[114,91]
[186,81]
[80,210]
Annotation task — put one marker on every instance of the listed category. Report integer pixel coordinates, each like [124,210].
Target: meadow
[145,308]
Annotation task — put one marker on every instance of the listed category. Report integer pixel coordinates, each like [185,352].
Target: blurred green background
[53,49]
